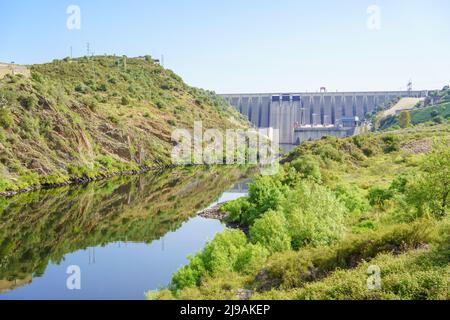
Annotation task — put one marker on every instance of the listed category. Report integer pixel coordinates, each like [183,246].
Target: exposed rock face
[214,213]
[418,147]
[244,294]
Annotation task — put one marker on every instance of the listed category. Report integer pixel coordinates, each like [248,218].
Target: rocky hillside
[92,116]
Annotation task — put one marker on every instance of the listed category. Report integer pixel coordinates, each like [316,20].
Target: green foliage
[266,192]
[271,231]
[238,209]
[378,196]
[6,119]
[405,119]
[89,102]
[172,122]
[28,101]
[229,251]
[391,143]
[415,276]
[294,269]
[307,167]
[314,215]
[352,198]
[125,101]
[399,184]
[430,192]
[328,151]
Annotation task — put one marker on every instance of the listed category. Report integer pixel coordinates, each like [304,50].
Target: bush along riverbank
[358,218]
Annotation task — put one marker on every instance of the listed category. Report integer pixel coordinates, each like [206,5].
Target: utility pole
[162,60]
[88,48]
[71,52]
[410,87]
[13,71]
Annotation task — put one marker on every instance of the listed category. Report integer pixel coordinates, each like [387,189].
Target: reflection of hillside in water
[40,227]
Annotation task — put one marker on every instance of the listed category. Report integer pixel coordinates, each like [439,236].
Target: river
[126,236]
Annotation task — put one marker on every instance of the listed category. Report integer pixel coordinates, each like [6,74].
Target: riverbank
[215,213]
[81,180]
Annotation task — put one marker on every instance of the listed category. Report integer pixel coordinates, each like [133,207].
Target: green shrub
[266,192]
[106,161]
[6,119]
[270,230]
[294,269]
[6,185]
[438,119]
[81,88]
[307,167]
[102,87]
[328,151]
[28,101]
[352,198]
[229,251]
[412,276]
[125,101]
[430,192]
[391,143]
[378,196]
[314,215]
[89,102]
[237,208]
[366,224]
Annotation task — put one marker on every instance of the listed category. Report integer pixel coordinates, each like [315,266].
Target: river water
[123,236]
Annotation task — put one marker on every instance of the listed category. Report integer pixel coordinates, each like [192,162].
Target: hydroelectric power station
[301,117]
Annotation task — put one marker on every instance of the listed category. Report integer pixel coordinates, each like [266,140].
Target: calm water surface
[127,235]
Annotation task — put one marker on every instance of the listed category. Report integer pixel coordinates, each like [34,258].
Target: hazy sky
[247,45]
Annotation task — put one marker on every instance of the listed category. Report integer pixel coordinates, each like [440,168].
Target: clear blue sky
[247,46]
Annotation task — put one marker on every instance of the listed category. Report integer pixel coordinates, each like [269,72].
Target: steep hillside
[99,115]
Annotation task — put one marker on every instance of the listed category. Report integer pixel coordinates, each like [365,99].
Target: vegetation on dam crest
[357,218]
[81,118]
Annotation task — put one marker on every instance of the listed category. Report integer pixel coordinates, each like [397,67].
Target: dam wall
[329,111]
[13,69]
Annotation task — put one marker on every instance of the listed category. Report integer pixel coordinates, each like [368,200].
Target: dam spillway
[309,116]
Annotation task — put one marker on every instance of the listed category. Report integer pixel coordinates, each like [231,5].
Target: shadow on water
[116,230]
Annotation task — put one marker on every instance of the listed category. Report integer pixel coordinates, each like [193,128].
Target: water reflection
[127,235]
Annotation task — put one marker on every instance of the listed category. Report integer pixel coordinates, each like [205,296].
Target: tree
[405,119]
[124,101]
[314,215]
[271,231]
[431,190]
[307,167]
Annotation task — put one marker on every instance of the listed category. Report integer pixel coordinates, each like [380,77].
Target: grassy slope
[404,103]
[439,112]
[413,253]
[98,115]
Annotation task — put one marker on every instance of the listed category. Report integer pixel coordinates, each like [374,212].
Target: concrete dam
[310,116]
